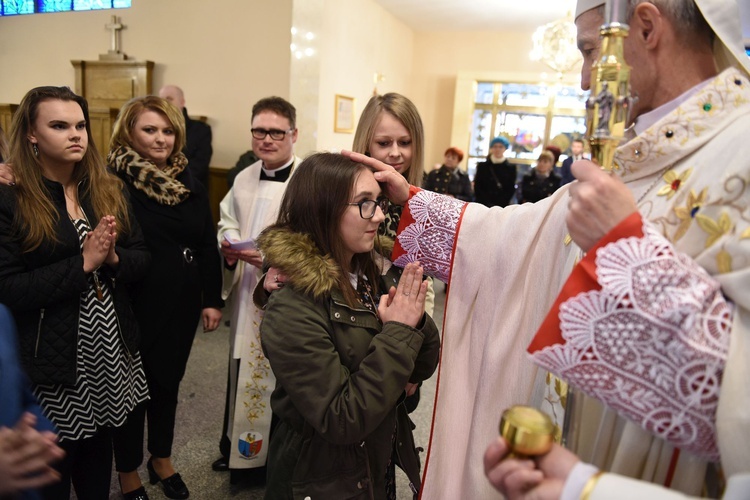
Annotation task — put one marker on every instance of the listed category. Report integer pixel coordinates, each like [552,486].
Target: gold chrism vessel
[528,431]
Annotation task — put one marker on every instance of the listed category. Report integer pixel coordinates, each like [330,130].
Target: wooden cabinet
[102,121]
[107,85]
[110,84]
[6,116]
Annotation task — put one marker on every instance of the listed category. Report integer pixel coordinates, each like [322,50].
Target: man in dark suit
[197,148]
[576,150]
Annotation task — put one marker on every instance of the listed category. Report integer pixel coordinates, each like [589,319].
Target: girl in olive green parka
[347,338]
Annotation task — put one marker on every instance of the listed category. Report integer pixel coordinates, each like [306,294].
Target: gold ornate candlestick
[608,108]
[528,431]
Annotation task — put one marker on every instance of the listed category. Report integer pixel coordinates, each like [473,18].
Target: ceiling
[476,15]
[494,15]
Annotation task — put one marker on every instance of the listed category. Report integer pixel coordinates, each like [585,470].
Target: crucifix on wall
[114,53]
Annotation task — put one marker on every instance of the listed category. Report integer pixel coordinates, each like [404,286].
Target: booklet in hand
[248,244]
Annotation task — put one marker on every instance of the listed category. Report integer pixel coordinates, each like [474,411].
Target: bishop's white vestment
[690,175]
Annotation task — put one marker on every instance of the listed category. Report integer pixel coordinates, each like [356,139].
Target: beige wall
[357,38]
[226,60]
[440,57]
[215,56]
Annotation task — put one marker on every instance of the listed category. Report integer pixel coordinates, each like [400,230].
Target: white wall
[227,59]
[361,39]
[440,57]
[225,55]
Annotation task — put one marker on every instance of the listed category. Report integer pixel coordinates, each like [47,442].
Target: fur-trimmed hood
[307,270]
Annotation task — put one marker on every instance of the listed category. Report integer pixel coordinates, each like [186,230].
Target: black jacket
[43,287]
[566,175]
[168,231]
[452,182]
[494,183]
[198,148]
[534,188]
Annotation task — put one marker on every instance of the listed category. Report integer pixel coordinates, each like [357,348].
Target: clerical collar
[280,174]
[646,120]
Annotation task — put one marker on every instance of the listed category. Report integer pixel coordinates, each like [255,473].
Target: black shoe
[139,494]
[173,486]
[220,464]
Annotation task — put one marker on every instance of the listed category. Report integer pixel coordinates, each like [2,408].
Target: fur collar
[159,185]
[307,270]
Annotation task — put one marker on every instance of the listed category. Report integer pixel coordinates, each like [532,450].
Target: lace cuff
[651,343]
[427,232]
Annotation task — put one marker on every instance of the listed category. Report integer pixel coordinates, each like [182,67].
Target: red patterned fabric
[645,330]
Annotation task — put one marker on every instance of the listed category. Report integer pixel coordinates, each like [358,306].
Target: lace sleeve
[651,343]
[427,232]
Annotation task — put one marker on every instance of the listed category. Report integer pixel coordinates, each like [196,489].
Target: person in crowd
[390,130]
[541,182]
[248,207]
[198,149]
[345,338]
[576,153]
[449,179]
[245,160]
[495,179]
[28,441]
[661,210]
[182,288]
[66,238]
[556,152]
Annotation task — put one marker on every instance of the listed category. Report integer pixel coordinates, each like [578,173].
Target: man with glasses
[250,205]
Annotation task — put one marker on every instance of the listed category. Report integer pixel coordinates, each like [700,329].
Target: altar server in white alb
[250,206]
[664,340]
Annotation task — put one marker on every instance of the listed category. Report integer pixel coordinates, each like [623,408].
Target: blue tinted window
[54,6]
[91,4]
[14,7]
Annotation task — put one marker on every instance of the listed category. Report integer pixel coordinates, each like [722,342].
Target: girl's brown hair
[314,203]
[36,216]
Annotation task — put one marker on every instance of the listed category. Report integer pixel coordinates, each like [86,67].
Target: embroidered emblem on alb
[651,343]
[674,182]
[429,239]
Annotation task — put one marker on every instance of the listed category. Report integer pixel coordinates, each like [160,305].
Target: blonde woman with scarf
[183,287]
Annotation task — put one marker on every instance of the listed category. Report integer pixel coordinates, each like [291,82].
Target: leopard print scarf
[159,185]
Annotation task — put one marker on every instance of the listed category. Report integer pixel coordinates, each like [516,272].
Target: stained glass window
[15,7]
[55,6]
[531,116]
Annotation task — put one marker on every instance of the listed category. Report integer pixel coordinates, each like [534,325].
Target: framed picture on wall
[343,115]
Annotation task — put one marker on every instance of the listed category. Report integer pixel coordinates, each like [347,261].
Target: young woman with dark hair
[69,252]
[345,335]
